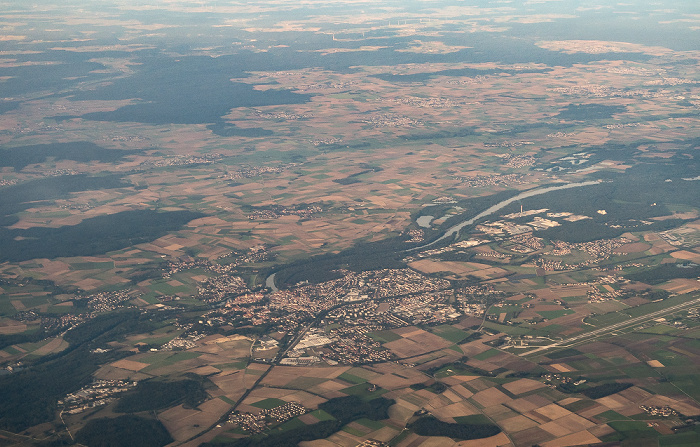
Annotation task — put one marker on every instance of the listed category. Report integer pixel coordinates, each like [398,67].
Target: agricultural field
[342,224]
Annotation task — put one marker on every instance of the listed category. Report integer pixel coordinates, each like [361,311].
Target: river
[454,230]
[270,281]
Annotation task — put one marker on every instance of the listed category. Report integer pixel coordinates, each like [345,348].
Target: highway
[613,327]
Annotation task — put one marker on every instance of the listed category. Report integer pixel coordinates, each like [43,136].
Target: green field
[362,390]
[552,314]
[322,415]
[351,378]
[450,333]
[372,425]
[384,336]
[92,265]
[633,430]
[161,359]
[474,419]
[269,403]
[487,354]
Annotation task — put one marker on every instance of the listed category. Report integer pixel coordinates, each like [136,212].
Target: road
[614,327]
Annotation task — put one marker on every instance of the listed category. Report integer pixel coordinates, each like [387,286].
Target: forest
[154,395]
[123,431]
[29,397]
[430,426]
[97,235]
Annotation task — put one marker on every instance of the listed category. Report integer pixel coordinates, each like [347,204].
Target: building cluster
[519,161]
[180,265]
[664,411]
[416,236]
[7,182]
[671,81]
[525,243]
[60,172]
[286,116]
[560,135]
[100,392]
[353,346]
[127,138]
[220,288]
[371,443]
[473,242]
[182,342]
[314,298]
[621,125]
[257,423]
[326,86]
[77,206]
[425,308]
[493,254]
[507,226]
[247,315]
[390,120]
[325,141]
[602,293]
[363,314]
[509,144]
[444,200]
[670,238]
[597,250]
[393,282]
[182,160]
[593,90]
[65,321]
[25,316]
[552,377]
[479,79]
[478,181]
[278,211]
[440,102]
[108,301]
[258,253]
[256,171]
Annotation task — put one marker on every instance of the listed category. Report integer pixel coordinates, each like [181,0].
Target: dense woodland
[84,151]
[92,236]
[154,395]
[430,426]
[29,396]
[123,431]
[665,272]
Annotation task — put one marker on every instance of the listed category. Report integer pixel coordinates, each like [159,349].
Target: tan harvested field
[131,365]
[499,440]
[531,436]
[637,247]
[233,382]
[184,423]
[686,255]
[583,437]
[523,386]
[8,326]
[407,348]
[55,345]
[490,397]
[517,423]
[459,269]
